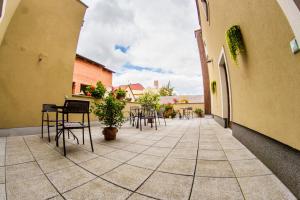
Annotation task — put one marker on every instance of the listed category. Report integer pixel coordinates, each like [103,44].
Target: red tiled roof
[135,86]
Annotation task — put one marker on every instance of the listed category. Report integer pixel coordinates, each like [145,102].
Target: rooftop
[133,86]
[187,159]
[93,62]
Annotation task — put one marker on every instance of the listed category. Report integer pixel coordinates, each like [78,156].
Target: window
[83,87]
[73,88]
[297,2]
[1,8]
[205,7]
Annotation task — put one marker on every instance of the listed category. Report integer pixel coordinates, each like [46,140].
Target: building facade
[259,95]
[39,41]
[133,91]
[88,72]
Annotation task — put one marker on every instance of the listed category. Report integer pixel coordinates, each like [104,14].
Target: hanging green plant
[213,85]
[235,41]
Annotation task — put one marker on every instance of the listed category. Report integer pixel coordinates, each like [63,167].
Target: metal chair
[74,107]
[187,112]
[46,109]
[134,115]
[148,114]
[190,112]
[160,115]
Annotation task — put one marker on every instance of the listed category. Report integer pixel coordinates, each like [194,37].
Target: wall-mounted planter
[213,86]
[235,42]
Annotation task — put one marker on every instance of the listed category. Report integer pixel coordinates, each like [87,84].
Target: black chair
[149,115]
[48,108]
[160,115]
[74,107]
[133,115]
[190,112]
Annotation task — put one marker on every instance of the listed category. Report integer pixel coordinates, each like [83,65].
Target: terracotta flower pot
[110,133]
[120,97]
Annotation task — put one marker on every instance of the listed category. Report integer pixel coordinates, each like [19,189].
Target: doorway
[225,90]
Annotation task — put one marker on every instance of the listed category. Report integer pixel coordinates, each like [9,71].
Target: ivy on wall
[213,86]
[235,41]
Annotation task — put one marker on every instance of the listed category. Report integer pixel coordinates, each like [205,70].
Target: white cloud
[160,35]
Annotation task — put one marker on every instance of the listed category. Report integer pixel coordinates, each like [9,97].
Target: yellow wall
[37,58]
[130,104]
[9,10]
[185,105]
[265,86]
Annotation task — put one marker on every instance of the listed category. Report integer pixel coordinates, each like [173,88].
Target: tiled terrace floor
[187,159]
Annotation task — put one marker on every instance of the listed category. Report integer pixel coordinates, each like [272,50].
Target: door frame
[226,112]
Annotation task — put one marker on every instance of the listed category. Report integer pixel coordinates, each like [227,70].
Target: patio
[187,159]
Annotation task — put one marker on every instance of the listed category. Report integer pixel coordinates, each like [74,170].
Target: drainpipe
[204,66]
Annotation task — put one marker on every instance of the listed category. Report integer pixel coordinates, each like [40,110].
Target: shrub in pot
[109,112]
[120,94]
[199,112]
[169,111]
[99,91]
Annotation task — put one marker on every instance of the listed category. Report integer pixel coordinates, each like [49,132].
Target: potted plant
[120,94]
[199,112]
[213,86]
[169,111]
[235,41]
[109,112]
[97,92]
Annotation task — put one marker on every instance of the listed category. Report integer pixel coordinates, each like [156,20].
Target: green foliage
[149,100]
[169,111]
[184,101]
[166,90]
[199,112]
[97,92]
[235,42]
[110,111]
[120,93]
[213,86]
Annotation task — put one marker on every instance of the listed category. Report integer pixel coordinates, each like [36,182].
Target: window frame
[297,2]
[2,9]
[205,6]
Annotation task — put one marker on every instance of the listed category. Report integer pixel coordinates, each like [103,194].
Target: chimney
[156,84]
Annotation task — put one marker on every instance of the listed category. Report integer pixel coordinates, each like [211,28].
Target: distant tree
[149,99]
[166,90]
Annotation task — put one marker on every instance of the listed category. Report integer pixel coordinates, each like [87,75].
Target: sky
[143,41]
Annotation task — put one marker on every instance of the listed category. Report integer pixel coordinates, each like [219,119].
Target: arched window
[205,7]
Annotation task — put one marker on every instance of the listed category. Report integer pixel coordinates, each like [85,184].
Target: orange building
[88,72]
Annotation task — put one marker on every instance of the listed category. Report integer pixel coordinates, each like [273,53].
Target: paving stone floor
[187,159]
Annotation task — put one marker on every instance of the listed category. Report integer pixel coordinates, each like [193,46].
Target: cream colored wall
[37,58]
[179,106]
[9,10]
[265,85]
